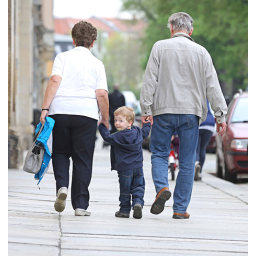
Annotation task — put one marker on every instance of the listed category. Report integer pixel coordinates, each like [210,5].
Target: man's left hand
[223,127]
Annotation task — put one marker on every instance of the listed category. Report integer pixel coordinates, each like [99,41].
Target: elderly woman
[76,91]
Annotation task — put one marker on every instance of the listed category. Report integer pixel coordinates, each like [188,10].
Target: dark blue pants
[203,140]
[74,136]
[132,184]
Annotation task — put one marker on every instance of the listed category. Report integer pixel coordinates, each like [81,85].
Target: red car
[232,148]
[211,147]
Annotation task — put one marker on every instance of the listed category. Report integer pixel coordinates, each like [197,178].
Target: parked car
[211,147]
[131,101]
[130,98]
[232,148]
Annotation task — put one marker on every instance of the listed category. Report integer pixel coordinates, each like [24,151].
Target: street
[217,226]
[210,167]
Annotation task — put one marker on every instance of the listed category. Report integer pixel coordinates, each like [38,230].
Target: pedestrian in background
[76,91]
[179,77]
[127,159]
[116,100]
[206,130]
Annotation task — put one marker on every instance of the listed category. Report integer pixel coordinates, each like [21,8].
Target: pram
[174,155]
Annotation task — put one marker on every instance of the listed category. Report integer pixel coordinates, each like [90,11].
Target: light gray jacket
[179,77]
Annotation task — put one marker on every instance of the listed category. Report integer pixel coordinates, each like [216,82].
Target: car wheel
[218,168]
[228,176]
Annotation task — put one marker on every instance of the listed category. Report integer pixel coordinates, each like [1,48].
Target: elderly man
[179,77]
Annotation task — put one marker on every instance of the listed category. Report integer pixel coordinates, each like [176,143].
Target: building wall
[43,48]
[20,80]
[47,14]
[27,60]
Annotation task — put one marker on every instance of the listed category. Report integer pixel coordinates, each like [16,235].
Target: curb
[225,186]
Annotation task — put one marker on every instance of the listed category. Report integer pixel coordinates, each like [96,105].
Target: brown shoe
[163,195]
[177,215]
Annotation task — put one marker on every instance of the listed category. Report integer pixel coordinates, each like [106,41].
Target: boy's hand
[105,122]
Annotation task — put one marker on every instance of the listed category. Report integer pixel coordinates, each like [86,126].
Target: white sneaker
[60,201]
[81,212]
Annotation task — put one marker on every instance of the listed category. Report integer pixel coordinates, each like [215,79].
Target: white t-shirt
[82,74]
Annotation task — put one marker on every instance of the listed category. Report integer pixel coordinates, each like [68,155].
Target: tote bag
[35,155]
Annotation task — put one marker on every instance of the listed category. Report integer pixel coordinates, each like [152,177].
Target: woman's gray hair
[180,21]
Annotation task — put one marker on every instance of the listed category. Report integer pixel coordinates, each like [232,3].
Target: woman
[77,87]
[206,130]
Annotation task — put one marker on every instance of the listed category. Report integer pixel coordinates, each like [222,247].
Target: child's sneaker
[122,214]
[137,211]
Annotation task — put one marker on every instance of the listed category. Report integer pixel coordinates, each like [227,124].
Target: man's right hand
[146,119]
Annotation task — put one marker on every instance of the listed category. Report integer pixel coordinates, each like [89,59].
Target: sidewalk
[217,226]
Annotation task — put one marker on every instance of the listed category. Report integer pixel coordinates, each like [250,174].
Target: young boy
[127,159]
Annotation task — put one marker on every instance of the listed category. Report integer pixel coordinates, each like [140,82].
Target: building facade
[30,54]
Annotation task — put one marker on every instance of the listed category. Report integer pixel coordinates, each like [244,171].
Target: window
[240,114]
[229,108]
[57,49]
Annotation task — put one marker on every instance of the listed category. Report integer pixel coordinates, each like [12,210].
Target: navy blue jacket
[209,119]
[126,146]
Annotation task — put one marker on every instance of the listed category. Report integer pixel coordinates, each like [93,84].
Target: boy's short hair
[127,112]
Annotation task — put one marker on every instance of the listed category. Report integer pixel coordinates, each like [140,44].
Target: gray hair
[180,21]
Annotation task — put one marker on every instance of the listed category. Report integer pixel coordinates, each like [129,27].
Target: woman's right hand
[44,114]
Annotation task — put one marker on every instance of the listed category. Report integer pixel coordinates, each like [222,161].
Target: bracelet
[45,109]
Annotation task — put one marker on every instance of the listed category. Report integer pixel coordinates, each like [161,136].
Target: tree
[122,63]
[221,26]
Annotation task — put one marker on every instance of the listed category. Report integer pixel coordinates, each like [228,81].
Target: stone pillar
[20,129]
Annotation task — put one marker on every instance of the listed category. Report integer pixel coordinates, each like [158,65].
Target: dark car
[211,147]
[232,148]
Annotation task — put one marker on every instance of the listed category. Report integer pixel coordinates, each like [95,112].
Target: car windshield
[241,111]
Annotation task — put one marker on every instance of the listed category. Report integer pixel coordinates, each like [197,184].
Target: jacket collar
[182,34]
[81,48]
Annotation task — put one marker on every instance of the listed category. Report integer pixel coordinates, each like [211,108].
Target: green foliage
[221,26]
[122,63]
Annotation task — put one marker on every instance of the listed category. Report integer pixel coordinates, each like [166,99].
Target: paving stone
[218,224]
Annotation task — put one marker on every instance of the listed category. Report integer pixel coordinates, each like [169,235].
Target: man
[116,100]
[178,79]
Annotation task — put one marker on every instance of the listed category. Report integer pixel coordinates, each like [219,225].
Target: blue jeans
[132,184]
[162,130]
[203,140]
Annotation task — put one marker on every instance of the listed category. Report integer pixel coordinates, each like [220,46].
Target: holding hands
[146,119]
